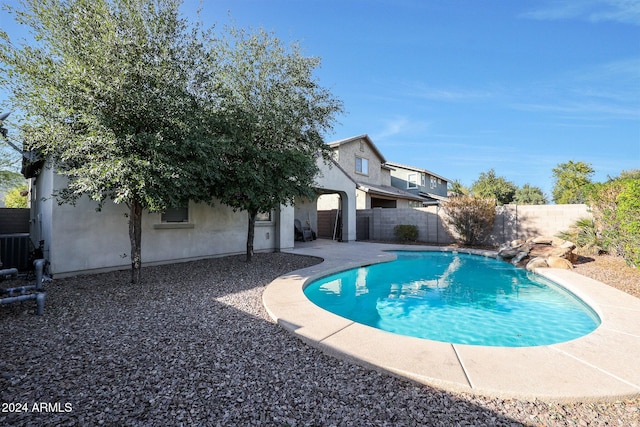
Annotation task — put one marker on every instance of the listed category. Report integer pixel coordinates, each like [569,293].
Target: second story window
[412,180]
[362,165]
[434,182]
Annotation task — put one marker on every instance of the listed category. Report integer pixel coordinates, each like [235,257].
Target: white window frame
[363,165]
[434,182]
[412,180]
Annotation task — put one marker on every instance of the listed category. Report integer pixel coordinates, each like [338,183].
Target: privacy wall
[511,222]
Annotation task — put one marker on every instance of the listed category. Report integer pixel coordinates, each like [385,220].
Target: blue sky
[459,87]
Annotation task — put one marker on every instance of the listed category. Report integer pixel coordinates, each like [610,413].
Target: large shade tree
[109,90]
[571,181]
[530,195]
[489,185]
[276,113]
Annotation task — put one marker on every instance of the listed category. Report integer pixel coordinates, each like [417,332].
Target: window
[180,214]
[412,180]
[263,217]
[415,204]
[423,180]
[362,165]
[434,182]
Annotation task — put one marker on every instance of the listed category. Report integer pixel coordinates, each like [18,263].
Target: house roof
[434,196]
[413,168]
[388,191]
[340,142]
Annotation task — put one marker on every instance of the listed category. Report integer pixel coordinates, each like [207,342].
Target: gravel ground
[193,345]
[612,271]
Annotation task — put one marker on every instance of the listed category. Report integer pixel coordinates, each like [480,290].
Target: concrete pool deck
[603,365]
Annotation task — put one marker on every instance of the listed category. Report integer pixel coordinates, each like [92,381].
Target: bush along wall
[616,210]
[406,232]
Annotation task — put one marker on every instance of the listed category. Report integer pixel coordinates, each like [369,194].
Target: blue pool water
[457,298]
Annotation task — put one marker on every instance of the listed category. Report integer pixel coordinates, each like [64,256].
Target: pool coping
[602,365]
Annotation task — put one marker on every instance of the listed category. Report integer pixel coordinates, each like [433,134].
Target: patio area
[600,365]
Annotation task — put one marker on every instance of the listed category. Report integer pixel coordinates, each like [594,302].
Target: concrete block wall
[511,222]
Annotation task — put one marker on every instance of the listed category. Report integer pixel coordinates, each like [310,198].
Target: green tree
[630,174]
[9,179]
[571,182]
[530,195]
[110,91]
[14,197]
[489,185]
[456,188]
[276,113]
[9,161]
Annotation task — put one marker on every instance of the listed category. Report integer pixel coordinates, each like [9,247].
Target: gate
[362,228]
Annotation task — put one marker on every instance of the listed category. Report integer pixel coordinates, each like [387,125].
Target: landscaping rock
[557,262]
[521,252]
[537,263]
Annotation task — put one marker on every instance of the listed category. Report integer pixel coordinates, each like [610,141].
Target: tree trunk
[135,236]
[250,234]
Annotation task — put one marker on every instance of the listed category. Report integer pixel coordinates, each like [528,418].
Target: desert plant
[585,236]
[470,217]
[406,233]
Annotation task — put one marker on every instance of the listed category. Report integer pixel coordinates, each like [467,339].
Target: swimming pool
[457,298]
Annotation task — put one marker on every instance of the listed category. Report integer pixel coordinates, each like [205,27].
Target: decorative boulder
[557,262]
[544,250]
[537,263]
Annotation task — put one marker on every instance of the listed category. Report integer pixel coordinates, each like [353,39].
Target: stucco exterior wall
[346,158]
[79,240]
[333,180]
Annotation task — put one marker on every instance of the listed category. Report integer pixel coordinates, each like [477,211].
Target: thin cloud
[577,110]
[449,95]
[399,126]
[609,90]
[624,11]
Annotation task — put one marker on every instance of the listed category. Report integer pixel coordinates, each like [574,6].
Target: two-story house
[362,160]
[420,182]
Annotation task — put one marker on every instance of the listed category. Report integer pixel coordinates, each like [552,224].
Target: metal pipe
[22,290]
[39,296]
[8,273]
[39,264]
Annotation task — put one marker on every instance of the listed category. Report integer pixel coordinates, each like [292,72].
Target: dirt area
[610,270]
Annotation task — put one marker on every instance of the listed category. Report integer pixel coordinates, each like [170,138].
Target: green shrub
[585,236]
[628,216]
[470,217]
[14,197]
[616,210]
[406,233]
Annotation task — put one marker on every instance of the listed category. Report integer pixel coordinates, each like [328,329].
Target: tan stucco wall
[78,239]
[347,159]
